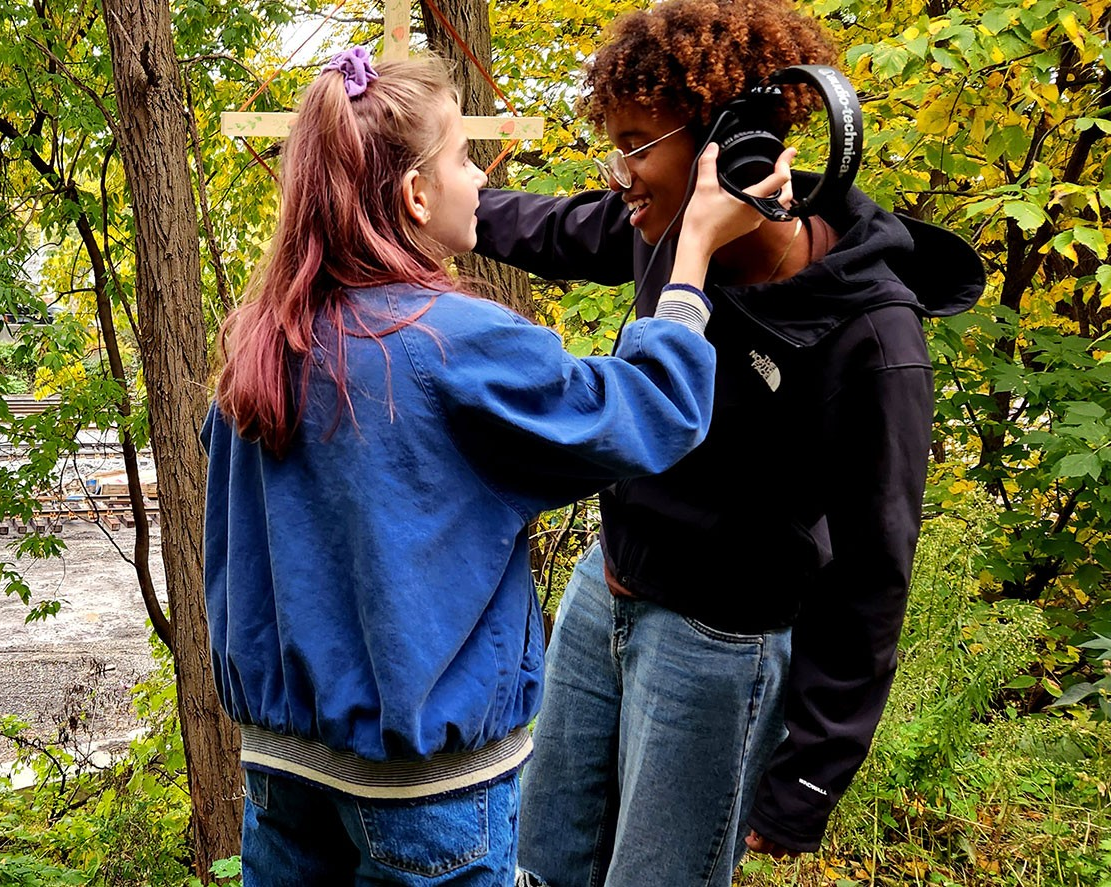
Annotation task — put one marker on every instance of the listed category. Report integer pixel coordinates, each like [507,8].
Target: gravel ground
[90,654]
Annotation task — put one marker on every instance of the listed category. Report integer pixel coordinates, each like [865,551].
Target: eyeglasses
[614,165]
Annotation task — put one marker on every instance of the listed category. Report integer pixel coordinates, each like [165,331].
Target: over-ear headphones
[748,154]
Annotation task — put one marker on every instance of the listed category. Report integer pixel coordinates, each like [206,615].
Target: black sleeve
[845,640]
[585,237]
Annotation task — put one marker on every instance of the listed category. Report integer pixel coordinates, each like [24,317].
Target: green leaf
[1029,216]
[1022,682]
[948,59]
[1074,694]
[855,53]
[580,347]
[1091,238]
[1078,465]
[982,207]
[1099,642]
[1084,123]
[1084,409]
[919,45]
[889,60]
[998,19]
[1103,278]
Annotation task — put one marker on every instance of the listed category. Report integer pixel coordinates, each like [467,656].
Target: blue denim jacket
[371,590]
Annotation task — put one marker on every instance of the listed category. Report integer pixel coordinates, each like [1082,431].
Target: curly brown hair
[690,57]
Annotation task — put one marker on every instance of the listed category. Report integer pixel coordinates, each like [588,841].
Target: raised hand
[714,217]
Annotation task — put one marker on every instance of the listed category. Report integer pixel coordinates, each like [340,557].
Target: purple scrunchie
[358,72]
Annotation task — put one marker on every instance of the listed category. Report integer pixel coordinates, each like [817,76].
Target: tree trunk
[471,20]
[153,145]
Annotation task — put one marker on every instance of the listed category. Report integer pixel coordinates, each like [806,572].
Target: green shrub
[104,826]
[969,782]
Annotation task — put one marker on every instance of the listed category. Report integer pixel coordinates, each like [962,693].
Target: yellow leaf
[1041,37]
[997,54]
[934,118]
[979,128]
[995,80]
[937,24]
[1072,27]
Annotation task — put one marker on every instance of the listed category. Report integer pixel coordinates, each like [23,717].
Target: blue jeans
[298,835]
[652,737]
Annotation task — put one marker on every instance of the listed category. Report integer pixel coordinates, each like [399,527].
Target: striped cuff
[348,773]
[685,304]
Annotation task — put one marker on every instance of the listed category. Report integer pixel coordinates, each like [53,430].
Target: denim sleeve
[543,427]
[585,237]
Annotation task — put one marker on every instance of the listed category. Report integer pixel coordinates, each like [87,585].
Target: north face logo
[768,371]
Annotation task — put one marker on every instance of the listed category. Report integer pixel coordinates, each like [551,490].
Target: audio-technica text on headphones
[748,154]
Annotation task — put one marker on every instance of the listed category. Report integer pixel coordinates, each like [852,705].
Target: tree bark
[471,20]
[154,148]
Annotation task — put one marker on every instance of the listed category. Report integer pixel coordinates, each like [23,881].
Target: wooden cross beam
[395,45]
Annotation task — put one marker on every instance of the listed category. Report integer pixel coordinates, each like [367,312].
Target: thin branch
[76,154]
[202,199]
[219,56]
[79,83]
[108,261]
[1066,513]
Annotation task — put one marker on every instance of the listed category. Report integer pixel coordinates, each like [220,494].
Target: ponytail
[342,224]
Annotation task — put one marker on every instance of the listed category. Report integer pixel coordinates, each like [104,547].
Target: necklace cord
[786,252]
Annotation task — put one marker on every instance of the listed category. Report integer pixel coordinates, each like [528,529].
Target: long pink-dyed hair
[342,223]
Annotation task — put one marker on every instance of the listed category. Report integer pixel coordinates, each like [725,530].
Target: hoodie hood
[880,258]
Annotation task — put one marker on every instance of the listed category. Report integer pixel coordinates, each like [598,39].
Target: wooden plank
[395,46]
[395,40]
[503,127]
[256,123]
[276,124]
[27,405]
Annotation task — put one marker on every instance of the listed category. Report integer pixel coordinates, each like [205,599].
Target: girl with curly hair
[721,658]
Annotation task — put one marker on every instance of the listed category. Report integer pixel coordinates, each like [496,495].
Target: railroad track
[53,514]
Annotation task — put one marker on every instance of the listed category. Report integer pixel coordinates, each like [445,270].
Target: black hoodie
[803,505]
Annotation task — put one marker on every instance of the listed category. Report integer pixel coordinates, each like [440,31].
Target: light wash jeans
[652,737]
[297,835]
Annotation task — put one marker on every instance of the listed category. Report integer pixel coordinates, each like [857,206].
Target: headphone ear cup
[746,157]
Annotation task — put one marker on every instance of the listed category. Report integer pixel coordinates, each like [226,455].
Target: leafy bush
[966,783]
[100,824]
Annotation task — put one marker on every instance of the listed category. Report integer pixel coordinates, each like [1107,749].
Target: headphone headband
[846,131]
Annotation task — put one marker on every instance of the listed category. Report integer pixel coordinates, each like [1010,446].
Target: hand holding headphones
[748,155]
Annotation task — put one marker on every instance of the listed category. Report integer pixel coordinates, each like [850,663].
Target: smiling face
[445,197]
[659,174]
